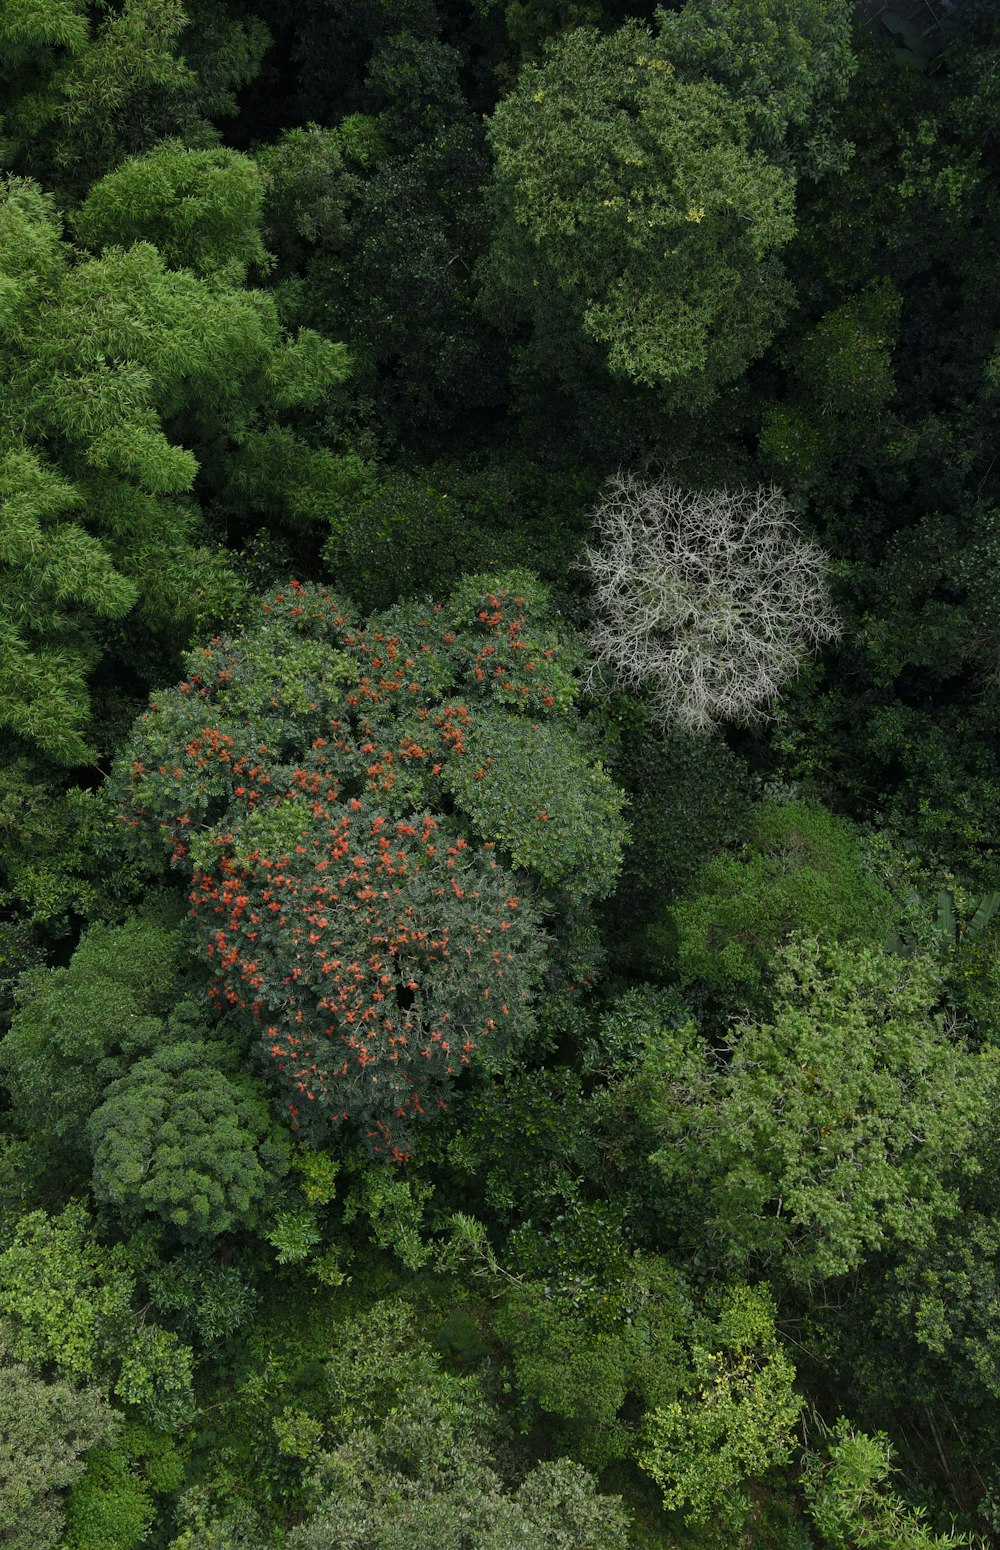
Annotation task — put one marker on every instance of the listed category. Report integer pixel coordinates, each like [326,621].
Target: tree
[85,85]
[711,599]
[75,1030]
[201,210]
[788,62]
[852,1502]
[413,1463]
[420,1481]
[841,382]
[635,215]
[595,1347]
[375,823]
[109,1506]
[733,1421]
[67,1306]
[378,224]
[799,873]
[688,796]
[179,1138]
[116,366]
[844,1124]
[46,1431]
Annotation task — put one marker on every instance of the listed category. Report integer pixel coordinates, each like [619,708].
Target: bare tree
[711,598]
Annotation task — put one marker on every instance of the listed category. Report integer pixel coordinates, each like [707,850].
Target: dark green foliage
[207,1300]
[378,224]
[687,798]
[85,85]
[407,535]
[418,531]
[842,382]
[309,184]
[723,1223]
[528,1139]
[800,872]
[46,835]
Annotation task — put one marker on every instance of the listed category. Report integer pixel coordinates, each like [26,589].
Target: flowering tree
[711,598]
[386,831]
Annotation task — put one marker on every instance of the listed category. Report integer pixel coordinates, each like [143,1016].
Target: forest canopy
[499,780]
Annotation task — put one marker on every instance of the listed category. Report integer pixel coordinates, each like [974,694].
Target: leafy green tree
[110,1506]
[906,490]
[67,1304]
[85,85]
[311,180]
[77,1029]
[843,1124]
[585,1349]
[332,44]
[407,535]
[842,381]
[614,1356]
[800,872]
[201,210]
[202,1529]
[788,62]
[413,1463]
[528,1140]
[377,225]
[204,1296]
[637,216]
[375,823]
[181,1139]
[688,796]
[530,25]
[937,1305]
[419,531]
[733,1421]
[421,226]
[852,1502]
[45,846]
[46,1432]
[113,364]
[422,1480]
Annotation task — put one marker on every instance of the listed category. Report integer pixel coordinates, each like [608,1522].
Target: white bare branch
[710,599]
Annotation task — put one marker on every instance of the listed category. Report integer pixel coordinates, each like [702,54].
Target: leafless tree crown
[710,599]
